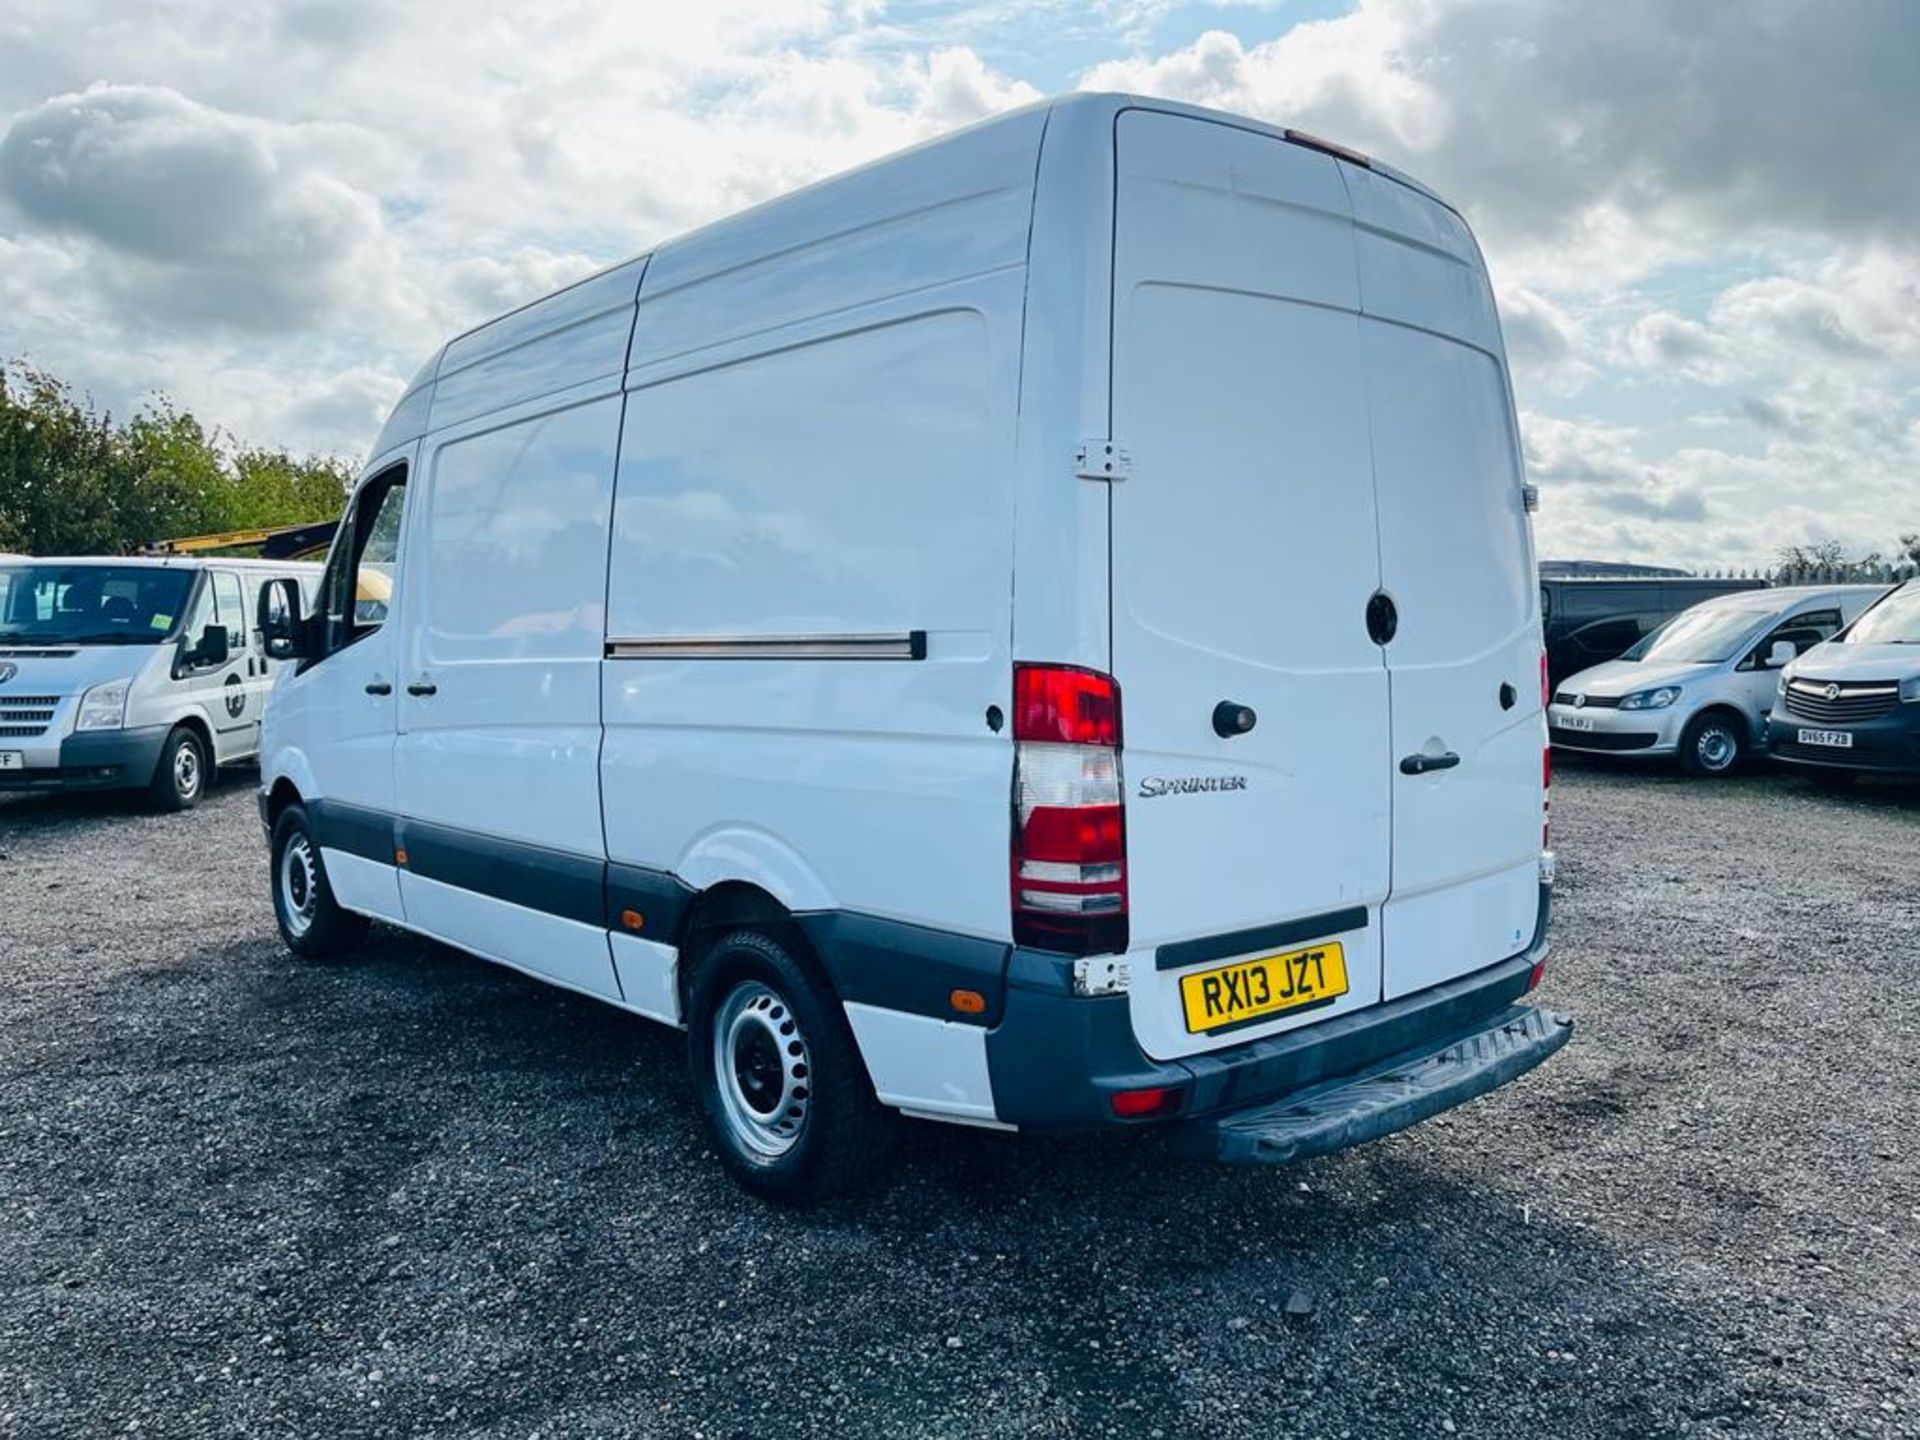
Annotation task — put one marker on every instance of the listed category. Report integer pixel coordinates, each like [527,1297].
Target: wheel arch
[732,905]
[281,794]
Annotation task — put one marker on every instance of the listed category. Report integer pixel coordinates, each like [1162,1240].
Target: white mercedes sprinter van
[1038,632]
[125,673]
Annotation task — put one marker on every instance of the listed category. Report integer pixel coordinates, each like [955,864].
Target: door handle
[1421,764]
[379,687]
[423,687]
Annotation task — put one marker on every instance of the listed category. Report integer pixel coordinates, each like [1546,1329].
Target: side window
[1608,638]
[359,583]
[1805,631]
[202,613]
[232,613]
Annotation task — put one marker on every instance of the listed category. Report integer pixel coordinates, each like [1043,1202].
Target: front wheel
[180,776]
[781,1085]
[311,920]
[1711,745]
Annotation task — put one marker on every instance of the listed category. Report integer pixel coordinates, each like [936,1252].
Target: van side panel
[852,487]
[567,339]
[503,592]
[931,216]
[817,452]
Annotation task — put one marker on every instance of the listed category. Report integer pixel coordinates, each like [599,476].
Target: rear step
[1397,1092]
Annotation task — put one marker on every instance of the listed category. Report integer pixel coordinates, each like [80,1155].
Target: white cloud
[1673,345]
[1697,217]
[193,213]
[1592,143]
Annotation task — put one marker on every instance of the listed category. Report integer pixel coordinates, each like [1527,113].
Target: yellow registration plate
[1251,989]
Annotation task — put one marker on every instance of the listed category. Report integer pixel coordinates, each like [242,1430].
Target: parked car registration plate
[1836,739]
[1574,722]
[1252,989]
[13,759]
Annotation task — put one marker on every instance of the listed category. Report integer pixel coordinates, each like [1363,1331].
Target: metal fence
[1841,575]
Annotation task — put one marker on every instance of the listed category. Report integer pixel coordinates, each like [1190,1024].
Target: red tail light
[1065,704]
[1069,877]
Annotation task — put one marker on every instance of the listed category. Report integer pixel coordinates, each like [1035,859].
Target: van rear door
[1456,558]
[1322,453]
[1245,550]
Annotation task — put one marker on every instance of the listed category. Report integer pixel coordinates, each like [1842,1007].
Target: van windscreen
[1705,635]
[91,604]
[1894,621]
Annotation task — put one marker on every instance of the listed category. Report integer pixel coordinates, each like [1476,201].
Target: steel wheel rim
[1716,747]
[299,889]
[761,1070]
[186,770]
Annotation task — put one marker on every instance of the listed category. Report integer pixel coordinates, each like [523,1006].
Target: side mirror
[1783,654]
[212,649]
[283,629]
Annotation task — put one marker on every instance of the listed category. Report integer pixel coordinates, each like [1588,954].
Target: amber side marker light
[399,857]
[968,1002]
[633,919]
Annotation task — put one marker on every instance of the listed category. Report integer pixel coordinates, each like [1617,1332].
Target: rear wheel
[180,778]
[1712,745]
[311,920]
[781,1086]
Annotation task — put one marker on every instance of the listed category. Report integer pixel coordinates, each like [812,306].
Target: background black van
[1592,619]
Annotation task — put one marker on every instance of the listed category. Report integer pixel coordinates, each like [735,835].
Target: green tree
[75,482]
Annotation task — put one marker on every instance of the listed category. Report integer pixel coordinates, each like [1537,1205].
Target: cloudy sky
[1703,218]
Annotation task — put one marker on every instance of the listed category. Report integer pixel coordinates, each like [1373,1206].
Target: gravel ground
[413,1194]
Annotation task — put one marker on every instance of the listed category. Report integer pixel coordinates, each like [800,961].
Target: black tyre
[183,773]
[1712,745]
[779,1079]
[1826,779]
[311,920]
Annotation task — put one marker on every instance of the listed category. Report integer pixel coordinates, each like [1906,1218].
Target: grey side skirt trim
[353,828]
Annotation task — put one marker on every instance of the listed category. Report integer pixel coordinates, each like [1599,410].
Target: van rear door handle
[379,687]
[1421,764]
[423,687]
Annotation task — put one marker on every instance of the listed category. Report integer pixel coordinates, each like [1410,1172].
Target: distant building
[1575,569]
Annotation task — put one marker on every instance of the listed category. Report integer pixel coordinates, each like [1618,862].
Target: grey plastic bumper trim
[1391,1095]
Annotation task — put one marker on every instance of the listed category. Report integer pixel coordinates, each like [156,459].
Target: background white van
[1039,632]
[126,673]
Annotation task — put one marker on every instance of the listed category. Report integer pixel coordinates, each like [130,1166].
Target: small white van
[1039,632]
[132,673]
[1698,689]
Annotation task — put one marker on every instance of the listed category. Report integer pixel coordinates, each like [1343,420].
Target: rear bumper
[1056,1060]
[96,760]
[1389,1096]
[1888,744]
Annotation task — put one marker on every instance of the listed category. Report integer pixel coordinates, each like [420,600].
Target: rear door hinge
[1102,460]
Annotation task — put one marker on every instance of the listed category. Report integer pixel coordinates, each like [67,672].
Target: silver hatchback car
[1698,689]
